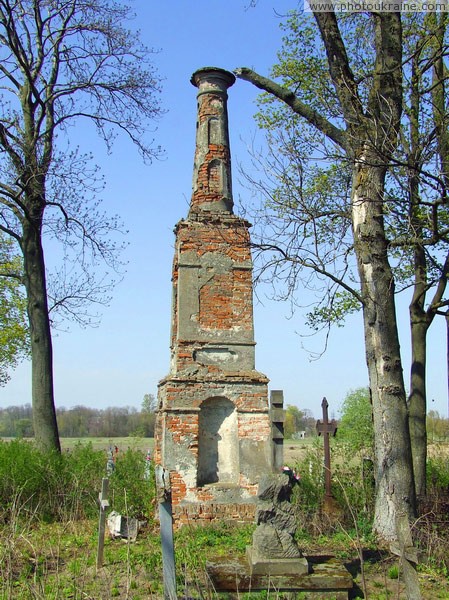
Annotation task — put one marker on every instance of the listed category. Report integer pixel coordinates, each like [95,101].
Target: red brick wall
[209,179]
[225,299]
[224,302]
[227,235]
[204,514]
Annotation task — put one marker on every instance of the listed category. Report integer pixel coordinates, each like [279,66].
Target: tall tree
[149,403]
[420,228]
[293,421]
[63,61]
[309,201]
[365,127]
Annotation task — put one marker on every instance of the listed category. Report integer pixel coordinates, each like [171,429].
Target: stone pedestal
[260,565]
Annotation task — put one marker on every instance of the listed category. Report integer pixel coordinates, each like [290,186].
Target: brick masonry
[213,429]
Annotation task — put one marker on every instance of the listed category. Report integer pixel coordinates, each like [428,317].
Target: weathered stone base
[259,565]
[326,579]
[231,412]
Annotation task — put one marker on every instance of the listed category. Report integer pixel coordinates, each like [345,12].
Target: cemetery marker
[104,503]
[277,413]
[326,428]
[213,408]
[166,524]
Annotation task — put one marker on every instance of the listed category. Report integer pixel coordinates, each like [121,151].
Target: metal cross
[326,428]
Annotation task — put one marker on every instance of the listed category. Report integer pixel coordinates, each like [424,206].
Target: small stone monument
[274,561]
[274,550]
[110,464]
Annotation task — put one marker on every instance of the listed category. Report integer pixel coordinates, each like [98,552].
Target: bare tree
[64,61]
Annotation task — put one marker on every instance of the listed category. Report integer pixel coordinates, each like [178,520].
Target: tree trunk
[447,359]
[419,320]
[369,140]
[393,467]
[419,326]
[44,414]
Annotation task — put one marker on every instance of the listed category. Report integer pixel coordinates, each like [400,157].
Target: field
[122,443]
[294,450]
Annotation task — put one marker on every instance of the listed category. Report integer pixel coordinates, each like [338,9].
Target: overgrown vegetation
[49,520]
[51,487]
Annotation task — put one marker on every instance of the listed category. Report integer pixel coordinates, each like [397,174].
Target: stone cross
[326,428]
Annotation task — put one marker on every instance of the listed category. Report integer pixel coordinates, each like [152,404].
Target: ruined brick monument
[213,429]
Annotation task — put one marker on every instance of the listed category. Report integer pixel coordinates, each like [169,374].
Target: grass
[49,522]
[58,561]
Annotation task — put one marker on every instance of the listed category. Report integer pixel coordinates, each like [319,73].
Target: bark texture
[44,414]
[393,469]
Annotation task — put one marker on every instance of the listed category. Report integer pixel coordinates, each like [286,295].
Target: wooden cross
[326,428]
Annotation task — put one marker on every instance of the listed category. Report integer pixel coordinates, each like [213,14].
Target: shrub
[131,493]
[63,487]
[308,495]
[352,490]
[356,422]
[22,477]
[78,482]
[437,474]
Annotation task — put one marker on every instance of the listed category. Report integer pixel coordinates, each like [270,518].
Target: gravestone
[122,527]
[147,471]
[110,464]
[274,561]
[277,427]
[274,549]
[104,503]
[164,497]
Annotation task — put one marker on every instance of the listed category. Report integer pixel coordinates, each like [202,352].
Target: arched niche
[217,442]
[215,175]
[213,131]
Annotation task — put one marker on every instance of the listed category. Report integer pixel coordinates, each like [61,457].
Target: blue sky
[124,358]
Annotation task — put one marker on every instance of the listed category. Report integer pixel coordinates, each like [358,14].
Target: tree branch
[285,95]
[264,247]
[340,71]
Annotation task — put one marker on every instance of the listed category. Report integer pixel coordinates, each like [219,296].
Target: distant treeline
[81,421]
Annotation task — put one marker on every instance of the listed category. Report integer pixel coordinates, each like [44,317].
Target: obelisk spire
[213,429]
[212,186]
